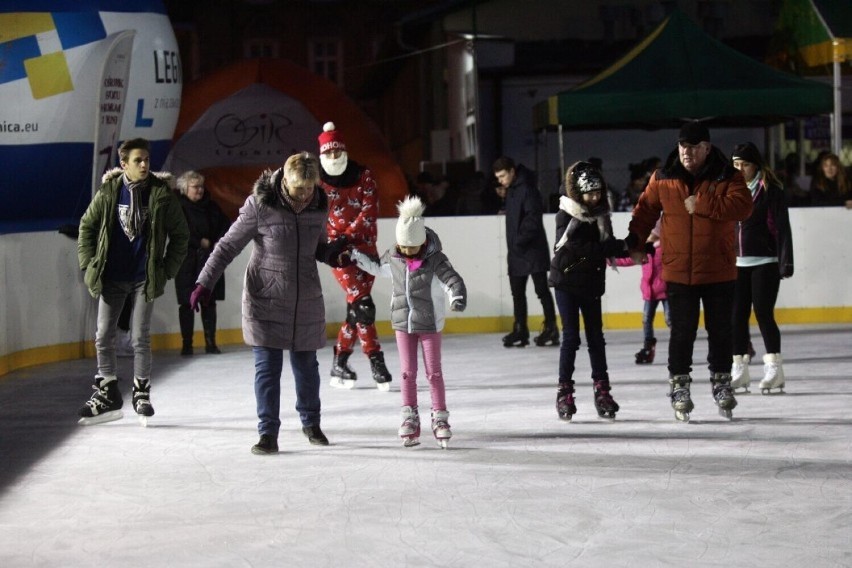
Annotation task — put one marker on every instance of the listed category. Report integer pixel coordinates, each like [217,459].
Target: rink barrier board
[617,321]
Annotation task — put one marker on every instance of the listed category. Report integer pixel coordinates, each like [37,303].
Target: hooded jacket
[417,301]
[584,241]
[526,239]
[282,301]
[167,239]
[698,248]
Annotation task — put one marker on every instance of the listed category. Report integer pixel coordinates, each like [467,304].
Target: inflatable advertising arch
[255,113]
[76,78]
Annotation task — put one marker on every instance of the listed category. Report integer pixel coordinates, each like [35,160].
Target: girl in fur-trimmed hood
[584,242]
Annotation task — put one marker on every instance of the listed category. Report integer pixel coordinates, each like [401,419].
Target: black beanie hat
[747,152]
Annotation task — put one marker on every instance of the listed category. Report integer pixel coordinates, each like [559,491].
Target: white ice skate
[740,379]
[338,383]
[441,428]
[409,431]
[773,374]
[383,387]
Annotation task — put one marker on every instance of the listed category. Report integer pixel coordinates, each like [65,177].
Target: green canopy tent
[815,37]
[678,73]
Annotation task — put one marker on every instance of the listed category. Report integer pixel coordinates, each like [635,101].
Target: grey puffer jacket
[417,301]
[283,305]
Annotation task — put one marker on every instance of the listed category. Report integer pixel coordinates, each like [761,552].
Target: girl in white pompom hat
[421,275]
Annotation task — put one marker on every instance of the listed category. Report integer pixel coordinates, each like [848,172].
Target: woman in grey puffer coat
[421,275]
[283,305]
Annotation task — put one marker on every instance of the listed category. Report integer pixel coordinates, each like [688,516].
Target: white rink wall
[43,301]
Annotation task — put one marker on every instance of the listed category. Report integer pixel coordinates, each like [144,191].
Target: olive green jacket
[167,239]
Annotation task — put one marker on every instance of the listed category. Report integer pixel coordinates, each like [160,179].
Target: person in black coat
[584,242]
[207,224]
[764,257]
[528,252]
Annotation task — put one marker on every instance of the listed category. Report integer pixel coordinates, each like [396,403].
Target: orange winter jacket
[698,248]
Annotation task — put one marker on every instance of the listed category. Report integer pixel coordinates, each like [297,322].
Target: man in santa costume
[352,212]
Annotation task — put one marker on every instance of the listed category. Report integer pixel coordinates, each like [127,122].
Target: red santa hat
[330,139]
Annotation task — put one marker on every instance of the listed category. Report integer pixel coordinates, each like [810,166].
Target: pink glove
[200,296]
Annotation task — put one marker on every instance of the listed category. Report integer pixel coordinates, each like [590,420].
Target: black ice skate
[409,431]
[645,356]
[723,394]
[104,405]
[549,335]
[520,336]
[142,399]
[604,403]
[679,393]
[441,427]
[565,406]
[342,376]
[380,371]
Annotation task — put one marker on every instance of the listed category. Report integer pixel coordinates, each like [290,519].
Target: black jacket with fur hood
[584,242]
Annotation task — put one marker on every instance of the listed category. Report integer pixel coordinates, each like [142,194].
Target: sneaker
[105,403]
[142,397]
[315,435]
[266,446]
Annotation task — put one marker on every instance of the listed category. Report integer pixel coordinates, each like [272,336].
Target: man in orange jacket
[701,197]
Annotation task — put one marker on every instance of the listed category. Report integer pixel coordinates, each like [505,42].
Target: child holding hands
[584,242]
[420,272]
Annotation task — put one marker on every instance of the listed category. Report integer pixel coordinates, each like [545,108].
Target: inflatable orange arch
[230,185]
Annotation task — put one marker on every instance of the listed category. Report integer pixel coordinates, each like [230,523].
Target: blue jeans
[648,315]
[268,364]
[570,305]
[110,305]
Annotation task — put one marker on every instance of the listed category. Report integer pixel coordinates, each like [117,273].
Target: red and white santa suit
[352,213]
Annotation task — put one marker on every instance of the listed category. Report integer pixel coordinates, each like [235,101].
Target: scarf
[297,206]
[413,263]
[581,214]
[133,226]
[754,184]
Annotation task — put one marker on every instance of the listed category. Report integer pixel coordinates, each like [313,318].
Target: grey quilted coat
[417,302]
[282,298]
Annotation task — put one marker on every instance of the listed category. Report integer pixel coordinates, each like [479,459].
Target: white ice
[518,487]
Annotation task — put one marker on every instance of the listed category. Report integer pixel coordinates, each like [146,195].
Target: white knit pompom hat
[410,227]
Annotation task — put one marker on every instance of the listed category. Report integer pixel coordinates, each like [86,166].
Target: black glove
[650,249]
[333,252]
[631,241]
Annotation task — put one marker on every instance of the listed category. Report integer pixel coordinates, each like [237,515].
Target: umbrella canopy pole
[561,154]
[837,117]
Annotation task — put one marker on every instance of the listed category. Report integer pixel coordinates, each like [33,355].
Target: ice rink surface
[518,487]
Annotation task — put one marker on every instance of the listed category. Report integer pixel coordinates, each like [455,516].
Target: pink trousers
[407,345]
